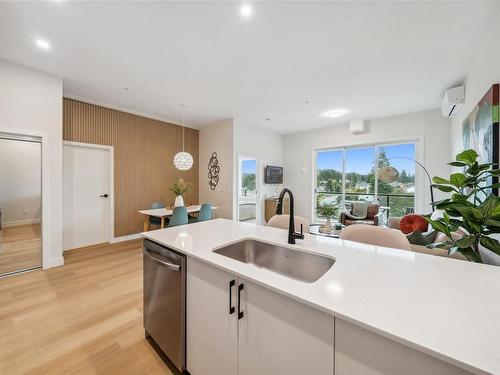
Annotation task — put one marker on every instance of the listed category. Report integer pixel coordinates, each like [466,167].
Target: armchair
[373,217]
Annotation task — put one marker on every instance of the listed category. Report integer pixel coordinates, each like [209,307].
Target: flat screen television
[273,175]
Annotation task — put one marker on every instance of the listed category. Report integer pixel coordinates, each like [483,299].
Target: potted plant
[327,210]
[180,187]
[472,208]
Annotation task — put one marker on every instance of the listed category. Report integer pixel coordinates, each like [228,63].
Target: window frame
[418,143]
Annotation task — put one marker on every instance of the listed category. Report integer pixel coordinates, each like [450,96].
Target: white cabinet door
[212,332]
[278,335]
[359,351]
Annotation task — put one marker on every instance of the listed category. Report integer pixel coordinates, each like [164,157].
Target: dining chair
[204,214]
[374,235]
[155,220]
[283,221]
[179,217]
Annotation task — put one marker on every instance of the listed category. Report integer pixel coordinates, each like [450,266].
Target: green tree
[248,181]
[381,161]
[403,177]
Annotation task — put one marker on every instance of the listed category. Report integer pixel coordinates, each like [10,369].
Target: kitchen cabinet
[278,335]
[267,333]
[211,332]
[359,351]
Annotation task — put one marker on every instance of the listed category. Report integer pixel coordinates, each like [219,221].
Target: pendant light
[183,161]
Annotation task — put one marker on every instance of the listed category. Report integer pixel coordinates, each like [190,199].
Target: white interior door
[87,210]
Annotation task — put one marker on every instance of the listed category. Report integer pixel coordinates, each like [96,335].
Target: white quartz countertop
[447,308]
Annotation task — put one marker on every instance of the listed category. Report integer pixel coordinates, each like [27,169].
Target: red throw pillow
[412,222]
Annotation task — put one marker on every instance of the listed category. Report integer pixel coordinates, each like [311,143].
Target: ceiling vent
[357,126]
[453,101]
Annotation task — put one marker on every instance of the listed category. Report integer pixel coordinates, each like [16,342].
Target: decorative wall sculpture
[213,171]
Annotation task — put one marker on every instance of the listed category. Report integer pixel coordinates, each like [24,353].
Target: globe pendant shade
[183,161]
[388,174]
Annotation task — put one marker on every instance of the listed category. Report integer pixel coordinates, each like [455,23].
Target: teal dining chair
[205,212]
[155,220]
[179,217]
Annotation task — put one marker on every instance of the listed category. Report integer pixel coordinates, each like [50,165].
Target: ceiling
[280,69]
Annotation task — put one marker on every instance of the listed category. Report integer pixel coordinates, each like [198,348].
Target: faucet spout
[292,235]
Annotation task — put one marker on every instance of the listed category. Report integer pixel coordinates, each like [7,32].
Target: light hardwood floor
[82,318]
[20,248]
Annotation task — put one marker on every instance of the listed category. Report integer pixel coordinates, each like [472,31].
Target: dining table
[163,213]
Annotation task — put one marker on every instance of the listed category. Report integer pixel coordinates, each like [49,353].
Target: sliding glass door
[350,174]
[329,177]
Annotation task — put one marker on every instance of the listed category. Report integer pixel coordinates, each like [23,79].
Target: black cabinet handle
[231,307]
[240,313]
[104,196]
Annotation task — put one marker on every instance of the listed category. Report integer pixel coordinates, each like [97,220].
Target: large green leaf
[465,242]
[473,169]
[467,156]
[438,225]
[445,188]
[439,180]
[471,255]
[458,179]
[457,164]
[492,223]
[489,206]
[490,244]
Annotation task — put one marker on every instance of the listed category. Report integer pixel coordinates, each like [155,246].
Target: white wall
[429,126]
[267,147]
[31,103]
[483,72]
[217,138]
[20,182]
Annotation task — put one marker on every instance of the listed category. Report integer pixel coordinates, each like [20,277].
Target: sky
[249,166]
[360,160]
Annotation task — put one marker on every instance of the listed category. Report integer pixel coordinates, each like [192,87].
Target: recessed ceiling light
[42,44]
[334,113]
[246,11]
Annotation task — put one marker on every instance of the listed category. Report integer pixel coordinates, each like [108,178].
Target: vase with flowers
[179,187]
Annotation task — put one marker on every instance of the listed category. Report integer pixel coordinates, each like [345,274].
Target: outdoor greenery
[329,187]
[472,207]
[248,181]
[180,187]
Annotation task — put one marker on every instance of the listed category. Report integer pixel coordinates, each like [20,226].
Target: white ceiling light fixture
[43,44]
[246,11]
[334,113]
[183,161]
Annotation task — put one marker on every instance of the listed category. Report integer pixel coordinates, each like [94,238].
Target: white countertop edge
[473,368]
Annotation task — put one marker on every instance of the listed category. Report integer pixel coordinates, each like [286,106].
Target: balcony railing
[398,203]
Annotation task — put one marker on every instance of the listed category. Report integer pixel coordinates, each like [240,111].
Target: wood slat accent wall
[144,150]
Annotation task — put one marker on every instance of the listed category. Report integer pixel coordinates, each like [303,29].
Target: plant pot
[328,226]
[179,201]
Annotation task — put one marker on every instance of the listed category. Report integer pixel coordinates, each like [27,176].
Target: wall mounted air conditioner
[453,101]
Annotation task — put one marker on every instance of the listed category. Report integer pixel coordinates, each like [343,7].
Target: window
[351,174]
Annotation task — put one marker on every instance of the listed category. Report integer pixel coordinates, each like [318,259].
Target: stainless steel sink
[293,263]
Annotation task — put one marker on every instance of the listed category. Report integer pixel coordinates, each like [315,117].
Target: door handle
[240,313]
[173,267]
[231,307]
[104,196]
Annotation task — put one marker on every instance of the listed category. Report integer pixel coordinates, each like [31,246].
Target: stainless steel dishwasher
[165,301]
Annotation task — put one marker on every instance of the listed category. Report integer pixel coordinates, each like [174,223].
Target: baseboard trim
[8,224]
[129,237]
[54,262]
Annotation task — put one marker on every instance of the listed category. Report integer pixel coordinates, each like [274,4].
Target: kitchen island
[375,311]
